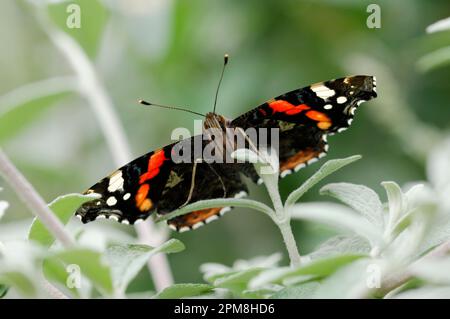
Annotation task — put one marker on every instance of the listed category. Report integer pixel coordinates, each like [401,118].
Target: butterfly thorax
[215,130]
[213,120]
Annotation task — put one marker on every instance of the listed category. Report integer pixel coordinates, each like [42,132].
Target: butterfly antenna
[225,62]
[169,107]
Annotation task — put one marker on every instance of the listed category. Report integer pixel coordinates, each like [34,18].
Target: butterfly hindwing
[211,180]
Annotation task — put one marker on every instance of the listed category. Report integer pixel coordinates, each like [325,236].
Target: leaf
[426,292]
[441,25]
[210,203]
[360,198]
[64,208]
[3,206]
[24,106]
[314,269]
[54,271]
[396,201]
[347,282]
[127,260]
[213,271]
[340,245]
[337,216]
[434,60]
[91,266]
[304,291]
[19,281]
[3,290]
[237,282]
[94,17]
[262,293]
[433,270]
[184,290]
[328,168]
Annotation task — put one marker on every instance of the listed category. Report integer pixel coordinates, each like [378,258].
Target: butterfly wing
[209,181]
[159,181]
[306,116]
[133,191]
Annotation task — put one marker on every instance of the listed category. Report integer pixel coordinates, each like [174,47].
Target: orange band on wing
[318,116]
[283,106]
[298,158]
[141,194]
[323,121]
[195,217]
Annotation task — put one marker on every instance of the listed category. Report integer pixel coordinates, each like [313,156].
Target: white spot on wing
[113,217]
[115,182]
[312,160]
[285,173]
[341,99]
[328,106]
[322,91]
[183,229]
[211,218]
[126,196]
[173,227]
[111,201]
[350,121]
[199,224]
[241,194]
[299,167]
[224,210]
[342,129]
[125,222]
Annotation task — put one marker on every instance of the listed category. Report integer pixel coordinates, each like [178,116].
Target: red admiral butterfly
[154,181]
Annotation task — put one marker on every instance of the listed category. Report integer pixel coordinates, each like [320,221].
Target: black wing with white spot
[306,116]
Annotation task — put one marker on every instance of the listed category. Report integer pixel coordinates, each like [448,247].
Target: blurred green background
[171,52]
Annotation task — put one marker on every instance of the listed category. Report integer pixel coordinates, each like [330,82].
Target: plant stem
[34,202]
[282,218]
[289,241]
[92,89]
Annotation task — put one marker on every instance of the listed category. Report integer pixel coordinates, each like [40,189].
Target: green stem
[281,217]
[289,241]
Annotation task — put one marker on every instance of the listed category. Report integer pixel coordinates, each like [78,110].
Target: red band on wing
[154,163]
[283,106]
